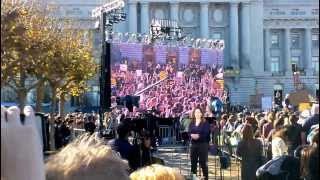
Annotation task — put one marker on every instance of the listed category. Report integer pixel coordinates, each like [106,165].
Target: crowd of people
[263,137]
[285,139]
[187,87]
[75,120]
[256,137]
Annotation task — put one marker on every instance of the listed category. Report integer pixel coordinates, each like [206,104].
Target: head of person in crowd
[156,171]
[232,118]
[240,117]
[197,114]
[270,117]
[247,132]
[293,118]
[146,139]
[86,158]
[309,163]
[303,116]
[251,120]
[278,123]
[123,130]
[224,119]
[278,114]
[281,133]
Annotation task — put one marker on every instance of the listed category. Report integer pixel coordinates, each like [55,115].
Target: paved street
[177,157]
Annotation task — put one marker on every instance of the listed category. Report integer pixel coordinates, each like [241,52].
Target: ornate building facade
[264,39]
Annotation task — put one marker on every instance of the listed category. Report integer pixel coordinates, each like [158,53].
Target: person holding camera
[199,130]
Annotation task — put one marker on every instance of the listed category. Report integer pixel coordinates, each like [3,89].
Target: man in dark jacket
[122,145]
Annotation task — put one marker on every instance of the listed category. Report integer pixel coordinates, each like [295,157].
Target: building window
[295,60]
[295,63]
[315,63]
[216,35]
[275,40]
[275,64]
[295,41]
[315,40]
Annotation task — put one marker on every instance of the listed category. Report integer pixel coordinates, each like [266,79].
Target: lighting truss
[107,7]
[146,39]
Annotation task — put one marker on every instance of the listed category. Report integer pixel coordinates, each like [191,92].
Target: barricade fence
[177,155]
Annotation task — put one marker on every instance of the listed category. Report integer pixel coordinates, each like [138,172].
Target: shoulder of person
[111,142]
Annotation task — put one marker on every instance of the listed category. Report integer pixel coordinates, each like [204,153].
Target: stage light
[165,30]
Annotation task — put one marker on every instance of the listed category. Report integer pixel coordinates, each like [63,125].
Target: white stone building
[263,38]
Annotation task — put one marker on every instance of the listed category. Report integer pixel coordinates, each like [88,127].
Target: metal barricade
[77,132]
[179,157]
[167,135]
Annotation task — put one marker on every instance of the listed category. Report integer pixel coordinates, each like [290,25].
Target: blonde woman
[157,172]
[86,158]
[199,130]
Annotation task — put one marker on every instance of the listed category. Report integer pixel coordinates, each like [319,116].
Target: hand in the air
[21,151]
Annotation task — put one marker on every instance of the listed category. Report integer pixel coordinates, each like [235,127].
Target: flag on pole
[163,75]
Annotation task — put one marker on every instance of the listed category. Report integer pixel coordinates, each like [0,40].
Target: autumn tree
[76,66]
[36,48]
[24,39]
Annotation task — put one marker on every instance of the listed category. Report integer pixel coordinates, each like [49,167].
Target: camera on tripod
[128,101]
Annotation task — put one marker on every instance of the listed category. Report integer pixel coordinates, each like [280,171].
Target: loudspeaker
[105,78]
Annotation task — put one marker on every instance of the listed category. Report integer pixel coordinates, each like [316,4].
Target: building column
[267,49]
[308,51]
[174,10]
[234,36]
[144,17]
[245,36]
[204,19]
[287,52]
[132,17]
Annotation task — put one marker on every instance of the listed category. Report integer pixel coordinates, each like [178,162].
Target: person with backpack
[250,150]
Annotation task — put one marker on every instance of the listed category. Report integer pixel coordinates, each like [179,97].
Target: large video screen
[169,80]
